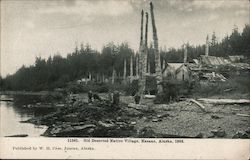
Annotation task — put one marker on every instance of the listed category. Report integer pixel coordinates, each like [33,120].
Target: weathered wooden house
[178,71]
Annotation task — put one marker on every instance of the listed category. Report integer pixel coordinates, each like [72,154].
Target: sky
[31,28]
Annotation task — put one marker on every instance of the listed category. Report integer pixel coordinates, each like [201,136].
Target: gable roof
[212,60]
[175,66]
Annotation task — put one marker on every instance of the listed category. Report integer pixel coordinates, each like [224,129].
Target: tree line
[57,71]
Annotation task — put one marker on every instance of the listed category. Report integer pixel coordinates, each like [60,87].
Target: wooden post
[141,39]
[90,76]
[207,46]
[163,63]
[156,51]
[145,60]
[113,76]
[124,70]
[185,54]
[148,66]
[143,63]
[131,66]
[137,65]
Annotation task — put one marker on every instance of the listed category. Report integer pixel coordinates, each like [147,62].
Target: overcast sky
[41,28]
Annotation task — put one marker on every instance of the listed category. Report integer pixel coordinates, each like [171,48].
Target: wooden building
[178,71]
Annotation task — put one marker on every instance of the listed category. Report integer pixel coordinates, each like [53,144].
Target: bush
[237,84]
[132,88]
[79,88]
[52,97]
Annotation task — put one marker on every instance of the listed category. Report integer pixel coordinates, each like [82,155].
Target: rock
[241,134]
[147,132]
[118,118]
[200,135]
[215,117]
[121,124]
[159,116]
[133,123]
[107,125]
[144,118]
[71,118]
[219,133]
[90,131]
[68,130]
[248,130]
[156,120]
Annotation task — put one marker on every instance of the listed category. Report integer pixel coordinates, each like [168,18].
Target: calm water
[13,112]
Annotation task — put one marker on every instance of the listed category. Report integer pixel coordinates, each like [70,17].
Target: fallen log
[18,135]
[235,109]
[147,96]
[202,107]
[7,99]
[138,107]
[243,115]
[68,130]
[225,101]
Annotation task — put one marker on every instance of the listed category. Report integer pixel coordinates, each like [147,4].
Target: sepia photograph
[168,69]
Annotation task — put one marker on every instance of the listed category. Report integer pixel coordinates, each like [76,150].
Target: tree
[235,41]
[246,40]
[214,39]
[57,71]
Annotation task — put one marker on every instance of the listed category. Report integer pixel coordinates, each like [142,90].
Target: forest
[57,71]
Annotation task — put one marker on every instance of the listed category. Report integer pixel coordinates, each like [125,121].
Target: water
[13,112]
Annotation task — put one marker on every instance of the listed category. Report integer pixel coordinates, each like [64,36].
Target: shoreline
[101,118]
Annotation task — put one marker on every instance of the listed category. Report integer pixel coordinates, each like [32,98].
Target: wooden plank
[202,107]
[225,101]
[243,115]
[149,96]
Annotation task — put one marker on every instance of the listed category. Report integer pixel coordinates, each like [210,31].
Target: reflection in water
[13,112]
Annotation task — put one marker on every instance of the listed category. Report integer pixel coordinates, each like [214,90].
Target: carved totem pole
[156,51]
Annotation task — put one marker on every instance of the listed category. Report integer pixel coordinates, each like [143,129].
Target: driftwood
[225,101]
[136,106]
[243,115]
[18,135]
[202,107]
[7,99]
[147,96]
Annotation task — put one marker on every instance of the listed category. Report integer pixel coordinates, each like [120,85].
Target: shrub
[132,88]
[237,84]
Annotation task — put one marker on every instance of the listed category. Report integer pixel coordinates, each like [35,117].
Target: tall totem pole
[141,49]
[156,51]
[144,53]
[185,54]
[140,64]
[124,70]
[131,66]
[207,46]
